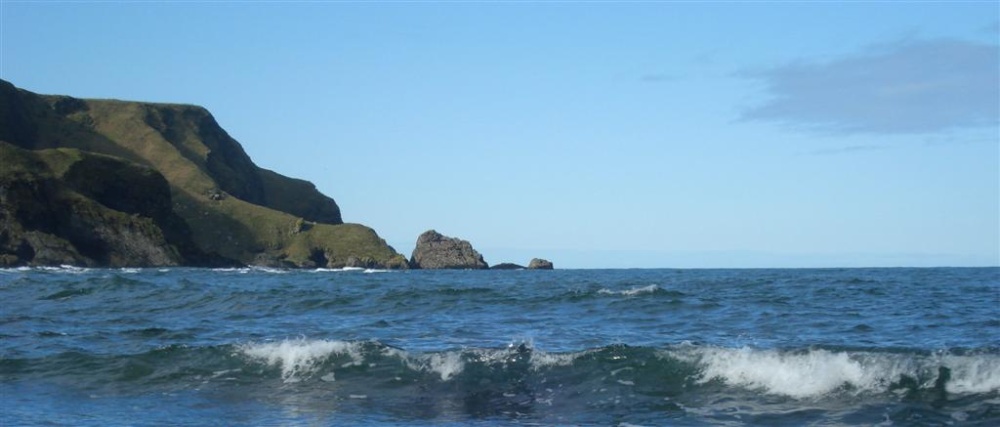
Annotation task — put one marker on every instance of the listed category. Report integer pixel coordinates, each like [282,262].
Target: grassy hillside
[230,207]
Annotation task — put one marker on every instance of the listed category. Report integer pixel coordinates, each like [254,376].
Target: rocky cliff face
[171,169]
[55,209]
[435,251]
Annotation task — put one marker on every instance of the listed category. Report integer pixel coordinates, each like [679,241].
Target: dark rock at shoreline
[540,264]
[436,251]
[507,266]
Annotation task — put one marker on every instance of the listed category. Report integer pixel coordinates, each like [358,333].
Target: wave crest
[300,358]
[632,291]
[817,372]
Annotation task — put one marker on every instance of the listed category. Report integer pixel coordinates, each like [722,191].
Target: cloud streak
[913,87]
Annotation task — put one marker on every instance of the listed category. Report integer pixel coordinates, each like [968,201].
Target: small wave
[250,269]
[241,270]
[817,372]
[64,269]
[631,292]
[797,374]
[519,369]
[260,269]
[299,359]
[337,270]
[447,365]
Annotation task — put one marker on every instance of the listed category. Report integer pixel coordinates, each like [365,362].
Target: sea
[642,347]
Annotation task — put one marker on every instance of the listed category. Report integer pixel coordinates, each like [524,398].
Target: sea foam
[300,358]
[631,292]
[337,270]
[818,372]
[447,365]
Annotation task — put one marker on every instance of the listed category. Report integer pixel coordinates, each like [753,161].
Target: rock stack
[436,251]
[540,264]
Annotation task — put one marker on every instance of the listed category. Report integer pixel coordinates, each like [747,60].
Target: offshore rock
[435,251]
[540,264]
[507,266]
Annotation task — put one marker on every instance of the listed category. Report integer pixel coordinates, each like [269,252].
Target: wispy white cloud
[911,87]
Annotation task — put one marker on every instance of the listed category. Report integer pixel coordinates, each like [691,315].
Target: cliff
[175,173]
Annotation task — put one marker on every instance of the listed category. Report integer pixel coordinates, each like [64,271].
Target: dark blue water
[565,347]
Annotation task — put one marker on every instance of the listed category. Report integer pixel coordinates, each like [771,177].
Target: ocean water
[102,347]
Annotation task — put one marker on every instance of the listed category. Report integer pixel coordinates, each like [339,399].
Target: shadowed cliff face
[183,173]
[16,126]
[51,212]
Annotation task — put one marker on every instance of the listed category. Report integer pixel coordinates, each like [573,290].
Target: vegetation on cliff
[166,172]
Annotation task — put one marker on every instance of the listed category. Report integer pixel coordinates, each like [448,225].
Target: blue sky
[598,134]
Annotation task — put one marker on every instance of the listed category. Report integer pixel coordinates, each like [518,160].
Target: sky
[592,134]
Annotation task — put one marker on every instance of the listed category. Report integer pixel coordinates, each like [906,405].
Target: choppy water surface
[594,347]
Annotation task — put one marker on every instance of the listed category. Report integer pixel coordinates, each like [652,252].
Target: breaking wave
[795,373]
[631,292]
[819,372]
[518,378]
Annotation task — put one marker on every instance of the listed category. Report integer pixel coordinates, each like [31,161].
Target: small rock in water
[540,264]
[507,266]
[436,251]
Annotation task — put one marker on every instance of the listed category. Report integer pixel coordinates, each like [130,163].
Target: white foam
[260,269]
[299,358]
[796,375]
[446,365]
[972,374]
[631,292]
[817,372]
[541,359]
[65,268]
[241,270]
[449,364]
[337,270]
